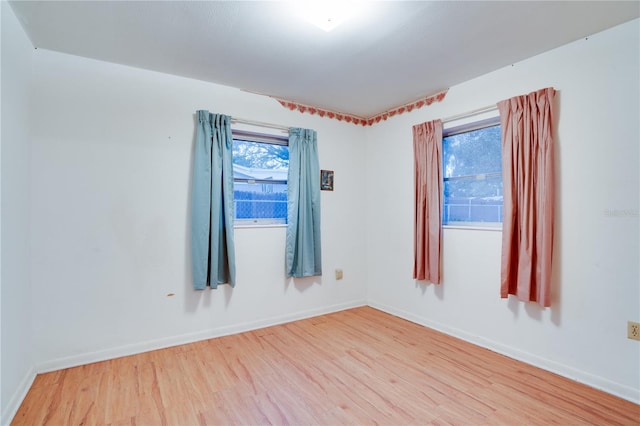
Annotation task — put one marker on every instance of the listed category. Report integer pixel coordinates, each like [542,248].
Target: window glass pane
[471,200]
[261,201]
[473,177]
[260,160]
[472,153]
[257,199]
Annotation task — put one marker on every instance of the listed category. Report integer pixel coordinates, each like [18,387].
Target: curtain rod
[470,113]
[260,124]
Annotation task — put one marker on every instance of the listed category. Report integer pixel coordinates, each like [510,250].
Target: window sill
[473,228]
[259,225]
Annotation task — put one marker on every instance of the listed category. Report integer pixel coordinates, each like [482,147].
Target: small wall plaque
[326,180]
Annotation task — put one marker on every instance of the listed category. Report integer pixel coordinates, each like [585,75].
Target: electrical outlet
[633,330]
[338,274]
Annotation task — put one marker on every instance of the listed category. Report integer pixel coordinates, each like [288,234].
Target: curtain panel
[212,213]
[529,194]
[303,242]
[427,160]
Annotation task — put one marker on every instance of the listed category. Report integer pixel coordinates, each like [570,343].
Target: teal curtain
[212,247]
[303,251]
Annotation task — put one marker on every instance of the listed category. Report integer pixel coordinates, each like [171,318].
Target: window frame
[265,138]
[451,129]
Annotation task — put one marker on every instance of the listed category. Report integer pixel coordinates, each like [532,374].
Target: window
[472,167]
[260,167]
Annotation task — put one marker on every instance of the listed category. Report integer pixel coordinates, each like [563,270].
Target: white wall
[110,184]
[596,278]
[16,366]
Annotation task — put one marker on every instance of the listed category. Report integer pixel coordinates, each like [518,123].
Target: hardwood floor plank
[34,407]
[359,366]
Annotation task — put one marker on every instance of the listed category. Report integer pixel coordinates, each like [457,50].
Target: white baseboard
[14,403]
[150,345]
[597,382]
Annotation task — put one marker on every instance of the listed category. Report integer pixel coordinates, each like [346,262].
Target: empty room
[300,212]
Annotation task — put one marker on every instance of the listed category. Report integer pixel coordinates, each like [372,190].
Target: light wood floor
[359,366]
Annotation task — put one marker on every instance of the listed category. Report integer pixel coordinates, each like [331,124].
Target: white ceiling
[394,53]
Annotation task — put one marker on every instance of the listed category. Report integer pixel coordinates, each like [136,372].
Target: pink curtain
[528,180]
[427,154]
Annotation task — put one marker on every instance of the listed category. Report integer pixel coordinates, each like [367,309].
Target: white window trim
[464,125]
[476,226]
[245,224]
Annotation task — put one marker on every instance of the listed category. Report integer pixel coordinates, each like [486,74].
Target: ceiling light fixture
[328,14]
